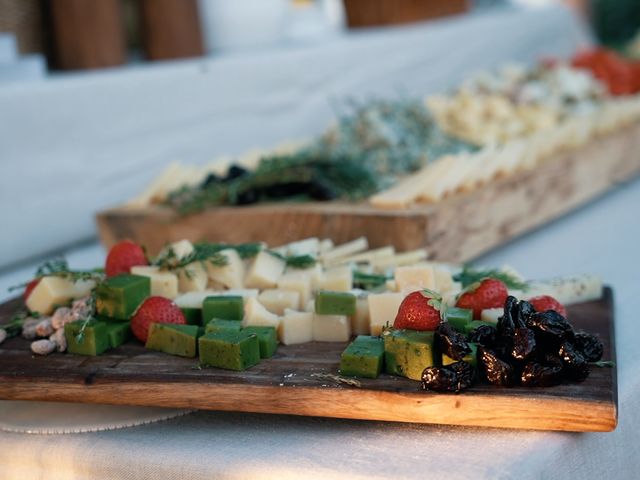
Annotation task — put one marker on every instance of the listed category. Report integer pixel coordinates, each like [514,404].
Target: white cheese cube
[276,300]
[308,246]
[192,277]
[311,305]
[383,308]
[491,314]
[450,297]
[163,283]
[412,278]
[345,250]
[443,280]
[265,271]
[331,328]
[391,285]
[360,320]
[49,293]
[316,274]
[255,315]
[181,248]
[338,279]
[297,281]
[296,327]
[230,275]
[325,246]
[82,288]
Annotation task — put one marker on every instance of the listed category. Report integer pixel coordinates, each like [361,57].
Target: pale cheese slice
[277,301]
[230,275]
[296,327]
[163,283]
[297,281]
[49,293]
[256,315]
[383,308]
[412,278]
[344,250]
[192,277]
[337,279]
[265,271]
[331,328]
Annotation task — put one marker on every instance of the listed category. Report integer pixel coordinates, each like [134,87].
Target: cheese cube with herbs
[297,281]
[118,333]
[383,308]
[192,277]
[49,293]
[412,278]
[569,290]
[180,340]
[256,315]
[229,350]
[331,328]
[267,339]
[363,357]
[90,339]
[220,325]
[360,319]
[408,352]
[230,275]
[276,300]
[265,271]
[296,327]
[222,306]
[163,283]
[178,250]
[338,279]
[118,297]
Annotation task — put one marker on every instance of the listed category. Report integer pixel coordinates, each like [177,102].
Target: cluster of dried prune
[528,348]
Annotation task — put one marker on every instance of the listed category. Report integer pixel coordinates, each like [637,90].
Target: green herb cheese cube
[335,303]
[458,317]
[363,357]
[118,333]
[192,315]
[229,350]
[228,307]
[471,326]
[92,340]
[267,338]
[407,352]
[220,325]
[470,358]
[180,340]
[118,297]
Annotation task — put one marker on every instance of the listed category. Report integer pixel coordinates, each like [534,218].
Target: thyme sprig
[295,261]
[59,267]
[14,326]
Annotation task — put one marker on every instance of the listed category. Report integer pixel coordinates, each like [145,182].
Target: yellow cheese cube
[297,281]
[491,314]
[192,277]
[338,279]
[331,328]
[276,300]
[296,327]
[230,275]
[163,283]
[265,271]
[412,278]
[443,280]
[316,274]
[383,308]
[50,293]
[255,315]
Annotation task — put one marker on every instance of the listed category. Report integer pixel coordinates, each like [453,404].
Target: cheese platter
[312,328]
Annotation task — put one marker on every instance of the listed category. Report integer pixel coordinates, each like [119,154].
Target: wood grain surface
[457,229]
[295,382]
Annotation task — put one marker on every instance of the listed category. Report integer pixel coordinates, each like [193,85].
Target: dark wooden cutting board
[298,380]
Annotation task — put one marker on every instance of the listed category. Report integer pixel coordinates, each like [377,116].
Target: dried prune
[539,375]
[524,344]
[550,324]
[506,324]
[453,344]
[493,369]
[589,346]
[575,365]
[525,310]
[450,378]
[484,335]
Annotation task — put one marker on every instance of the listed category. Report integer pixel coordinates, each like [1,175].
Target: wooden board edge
[337,402]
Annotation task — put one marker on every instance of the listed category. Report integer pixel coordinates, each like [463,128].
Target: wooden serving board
[295,382]
[457,229]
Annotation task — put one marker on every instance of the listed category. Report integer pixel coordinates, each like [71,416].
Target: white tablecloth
[74,144]
[600,238]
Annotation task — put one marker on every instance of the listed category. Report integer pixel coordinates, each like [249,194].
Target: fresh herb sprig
[469,276]
[60,268]
[14,326]
[368,281]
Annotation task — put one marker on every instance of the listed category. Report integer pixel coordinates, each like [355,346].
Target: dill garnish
[469,276]
[368,281]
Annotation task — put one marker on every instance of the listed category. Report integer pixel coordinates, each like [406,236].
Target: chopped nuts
[44,328]
[59,339]
[61,316]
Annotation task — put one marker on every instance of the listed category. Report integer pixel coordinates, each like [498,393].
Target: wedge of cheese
[337,279]
[331,328]
[192,277]
[230,275]
[409,279]
[296,327]
[277,301]
[163,282]
[49,293]
[297,281]
[265,271]
[256,315]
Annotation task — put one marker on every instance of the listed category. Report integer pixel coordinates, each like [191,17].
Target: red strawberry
[419,310]
[155,310]
[488,293]
[543,303]
[123,256]
[29,288]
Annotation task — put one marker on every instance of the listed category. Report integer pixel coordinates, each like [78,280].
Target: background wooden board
[292,382]
[457,229]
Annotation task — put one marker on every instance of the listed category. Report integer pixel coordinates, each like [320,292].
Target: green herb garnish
[469,276]
[368,281]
